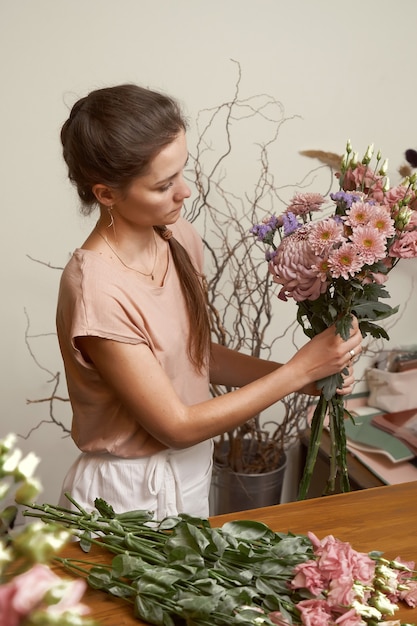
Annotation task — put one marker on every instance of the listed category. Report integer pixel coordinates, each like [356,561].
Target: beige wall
[345,70]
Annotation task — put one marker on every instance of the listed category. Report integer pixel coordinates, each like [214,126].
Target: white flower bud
[12,461]
[8,442]
[366,611]
[6,556]
[368,154]
[355,158]
[28,465]
[28,491]
[382,603]
[384,168]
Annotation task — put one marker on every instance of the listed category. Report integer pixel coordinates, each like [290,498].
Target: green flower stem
[338,449]
[335,409]
[314,444]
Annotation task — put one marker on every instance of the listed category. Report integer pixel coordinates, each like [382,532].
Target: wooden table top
[381,518]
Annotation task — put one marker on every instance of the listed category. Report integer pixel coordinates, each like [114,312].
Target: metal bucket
[233,491]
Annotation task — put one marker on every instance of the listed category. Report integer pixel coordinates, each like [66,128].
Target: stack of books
[385,442]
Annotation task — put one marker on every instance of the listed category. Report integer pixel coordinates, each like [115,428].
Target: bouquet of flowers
[336,266]
[180,570]
[30,592]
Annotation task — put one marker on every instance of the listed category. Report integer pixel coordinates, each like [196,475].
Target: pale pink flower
[396,194]
[304,203]
[409,595]
[315,613]
[405,247]
[349,618]
[359,214]
[25,593]
[291,267]
[383,222]
[325,233]
[337,558]
[344,261]
[370,243]
[277,618]
[308,576]
[363,178]
[341,592]
[322,269]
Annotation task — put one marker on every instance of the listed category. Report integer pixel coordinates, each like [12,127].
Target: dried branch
[55,379]
[239,287]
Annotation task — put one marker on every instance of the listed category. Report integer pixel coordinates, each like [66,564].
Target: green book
[362,435]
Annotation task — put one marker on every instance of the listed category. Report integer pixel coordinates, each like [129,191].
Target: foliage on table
[181,571]
[30,593]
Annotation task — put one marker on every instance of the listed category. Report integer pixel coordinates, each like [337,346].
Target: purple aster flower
[290,223]
[344,196]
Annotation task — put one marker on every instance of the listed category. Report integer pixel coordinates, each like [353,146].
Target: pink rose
[277,618]
[337,558]
[350,618]
[365,179]
[315,613]
[341,591]
[405,247]
[24,593]
[8,615]
[307,576]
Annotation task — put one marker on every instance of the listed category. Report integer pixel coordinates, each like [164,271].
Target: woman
[132,320]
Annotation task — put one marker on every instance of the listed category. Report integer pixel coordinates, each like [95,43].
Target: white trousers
[167,483]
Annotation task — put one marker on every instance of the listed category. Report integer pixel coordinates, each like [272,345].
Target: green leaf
[85,541]
[139,516]
[195,606]
[186,534]
[247,530]
[368,328]
[159,581]
[125,565]
[329,385]
[184,555]
[152,611]
[99,577]
[374,310]
[105,509]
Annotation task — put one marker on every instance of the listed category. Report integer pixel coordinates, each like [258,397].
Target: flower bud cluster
[30,593]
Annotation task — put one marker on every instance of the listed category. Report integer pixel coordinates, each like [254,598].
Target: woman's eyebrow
[168,178]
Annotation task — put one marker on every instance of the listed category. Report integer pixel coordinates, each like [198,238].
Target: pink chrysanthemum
[304,203]
[292,267]
[344,261]
[370,244]
[360,213]
[325,233]
[382,221]
[322,269]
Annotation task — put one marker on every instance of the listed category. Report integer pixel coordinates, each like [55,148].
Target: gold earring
[109,210]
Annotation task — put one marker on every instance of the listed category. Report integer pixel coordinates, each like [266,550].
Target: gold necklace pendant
[150,274]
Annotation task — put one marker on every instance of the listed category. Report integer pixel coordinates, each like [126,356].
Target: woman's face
[157,197]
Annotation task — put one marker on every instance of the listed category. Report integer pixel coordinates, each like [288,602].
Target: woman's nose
[183,191]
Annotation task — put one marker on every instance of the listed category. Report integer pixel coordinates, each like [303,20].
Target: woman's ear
[105,195]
